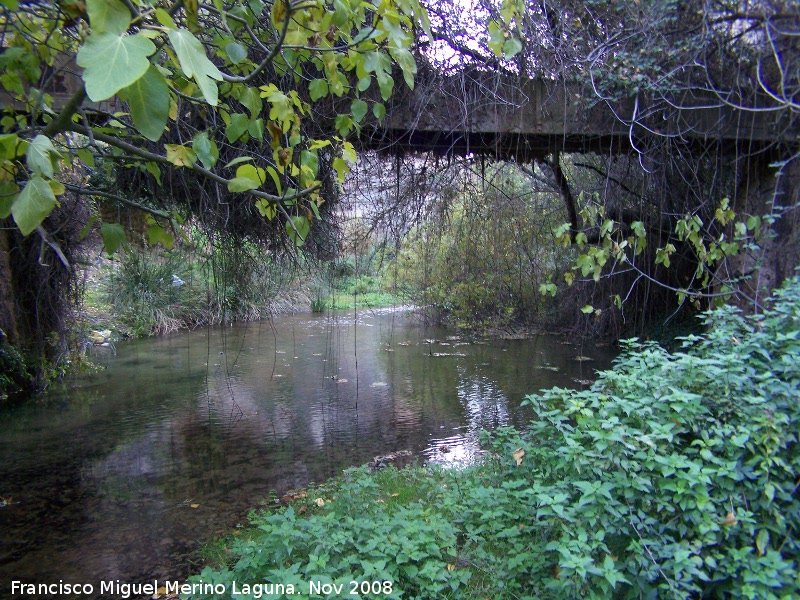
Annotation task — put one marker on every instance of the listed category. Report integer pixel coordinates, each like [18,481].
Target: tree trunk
[8,311]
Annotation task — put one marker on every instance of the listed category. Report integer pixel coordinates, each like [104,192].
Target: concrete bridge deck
[523,120]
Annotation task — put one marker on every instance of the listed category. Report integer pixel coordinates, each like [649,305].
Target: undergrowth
[675,476]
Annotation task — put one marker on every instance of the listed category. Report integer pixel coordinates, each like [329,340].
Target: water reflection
[122,474]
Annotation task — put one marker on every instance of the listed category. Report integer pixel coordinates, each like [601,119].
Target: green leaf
[236,52]
[298,228]
[34,203]
[42,156]
[379,111]
[156,233]
[8,194]
[237,161]
[512,47]
[359,109]
[318,88]
[237,127]
[275,178]
[205,149]
[153,169]
[12,146]
[113,236]
[364,83]
[242,184]
[87,228]
[57,187]
[248,177]
[195,63]
[762,541]
[190,8]
[257,174]
[405,59]
[342,169]
[349,152]
[497,38]
[109,16]
[112,62]
[251,100]
[180,155]
[386,84]
[341,12]
[266,208]
[587,309]
[165,19]
[148,98]
[344,124]
[86,157]
[10,4]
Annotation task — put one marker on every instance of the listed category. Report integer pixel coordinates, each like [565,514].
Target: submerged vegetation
[674,476]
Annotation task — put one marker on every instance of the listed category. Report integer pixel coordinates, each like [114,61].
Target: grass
[377,299]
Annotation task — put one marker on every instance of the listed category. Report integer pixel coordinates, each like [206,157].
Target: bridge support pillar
[766,191]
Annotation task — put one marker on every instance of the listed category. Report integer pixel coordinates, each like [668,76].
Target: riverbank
[140,293]
[673,476]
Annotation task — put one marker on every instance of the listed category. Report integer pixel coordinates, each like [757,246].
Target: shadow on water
[123,474]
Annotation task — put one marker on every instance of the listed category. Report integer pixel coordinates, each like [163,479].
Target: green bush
[674,476]
[381,527]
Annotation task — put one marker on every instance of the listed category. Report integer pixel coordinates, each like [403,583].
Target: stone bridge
[525,120]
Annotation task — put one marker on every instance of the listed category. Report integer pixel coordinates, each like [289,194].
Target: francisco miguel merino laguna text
[257,590]
[126,590]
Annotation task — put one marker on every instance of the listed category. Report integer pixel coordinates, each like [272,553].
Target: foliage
[142,293]
[199,282]
[13,370]
[487,254]
[382,527]
[674,476]
[216,96]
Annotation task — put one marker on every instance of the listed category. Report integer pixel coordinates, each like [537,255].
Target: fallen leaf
[730,519]
[518,455]
[194,505]
[451,567]
[319,502]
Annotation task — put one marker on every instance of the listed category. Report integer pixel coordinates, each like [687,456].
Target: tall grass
[153,291]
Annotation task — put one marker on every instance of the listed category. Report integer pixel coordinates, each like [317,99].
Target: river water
[124,473]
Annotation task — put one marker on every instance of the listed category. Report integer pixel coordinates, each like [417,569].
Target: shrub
[359,530]
[675,475]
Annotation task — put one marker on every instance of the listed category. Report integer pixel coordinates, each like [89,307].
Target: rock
[380,462]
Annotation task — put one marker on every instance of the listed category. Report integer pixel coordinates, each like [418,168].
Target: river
[123,473]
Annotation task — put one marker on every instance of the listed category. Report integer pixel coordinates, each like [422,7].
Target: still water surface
[121,475]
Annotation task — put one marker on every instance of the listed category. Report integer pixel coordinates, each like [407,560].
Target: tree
[236,112]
